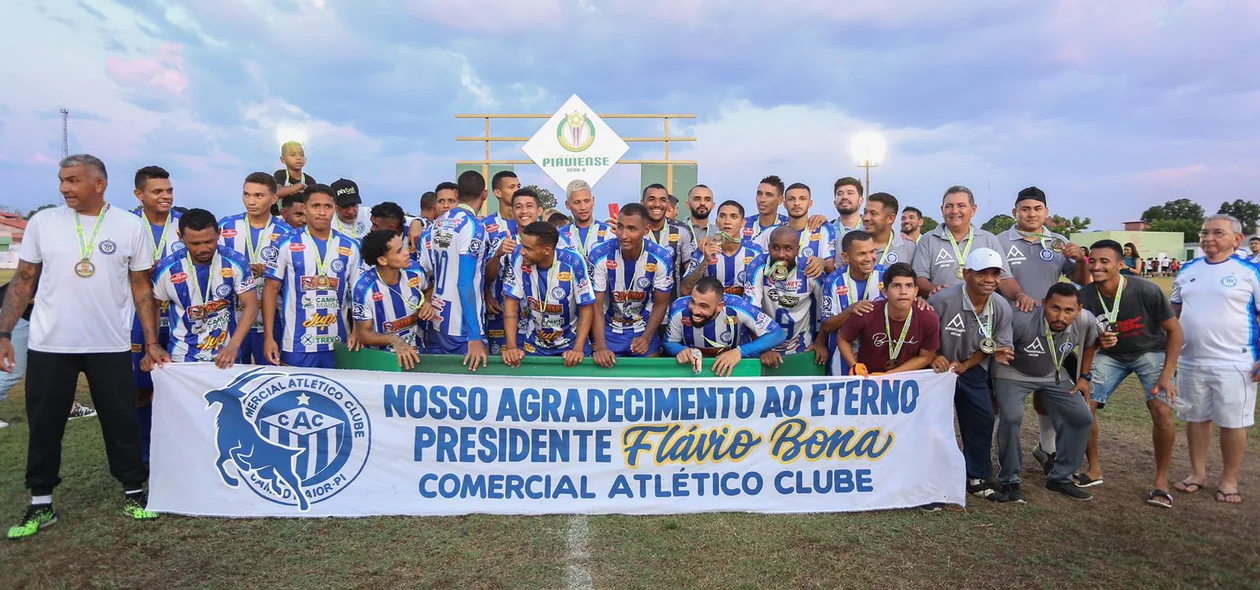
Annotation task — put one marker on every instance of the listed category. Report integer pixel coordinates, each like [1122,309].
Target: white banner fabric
[293,442]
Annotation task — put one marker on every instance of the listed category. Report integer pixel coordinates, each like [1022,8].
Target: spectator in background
[1131,264]
[672,211]
[557,218]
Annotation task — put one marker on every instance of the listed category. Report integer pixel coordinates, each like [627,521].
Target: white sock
[1047,433]
[133,492]
[37,500]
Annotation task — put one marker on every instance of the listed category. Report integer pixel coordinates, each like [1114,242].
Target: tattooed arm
[19,295]
[147,310]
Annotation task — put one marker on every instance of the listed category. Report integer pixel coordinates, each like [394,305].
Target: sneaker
[1045,459]
[134,507]
[984,489]
[37,517]
[933,507]
[1070,490]
[1012,493]
[3,423]
[81,411]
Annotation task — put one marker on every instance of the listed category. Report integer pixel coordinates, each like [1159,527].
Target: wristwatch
[1086,376]
[6,335]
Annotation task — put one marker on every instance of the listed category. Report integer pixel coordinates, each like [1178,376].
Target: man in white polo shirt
[1217,299]
[90,288]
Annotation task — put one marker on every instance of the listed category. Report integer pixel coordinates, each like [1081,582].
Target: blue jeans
[1109,373]
[973,402]
[21,334]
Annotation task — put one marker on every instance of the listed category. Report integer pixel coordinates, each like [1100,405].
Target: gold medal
[85,268]
[1057,246]
[958,272]
[891,364]
[988,346]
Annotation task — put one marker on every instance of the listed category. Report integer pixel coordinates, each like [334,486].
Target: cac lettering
[319,320]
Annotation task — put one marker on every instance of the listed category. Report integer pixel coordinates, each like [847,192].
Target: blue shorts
[251,352]
[141,379]
[437,343]
[309,360]
[1108,373]
[620,343]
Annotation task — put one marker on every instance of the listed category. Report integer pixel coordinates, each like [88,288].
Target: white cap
[983,259]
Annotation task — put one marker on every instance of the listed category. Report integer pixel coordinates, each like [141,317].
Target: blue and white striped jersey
[456,233]
[731,270]
[164,241]
[737,322]
[203,301]
[819,243]
[256,244]
[392,309]
[629,287]
[550,299]
[316,279]
[499,229]
[585,239]
[795,303]
[838,295]
[753,228]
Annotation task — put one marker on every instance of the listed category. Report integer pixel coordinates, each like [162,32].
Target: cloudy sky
[1109,106]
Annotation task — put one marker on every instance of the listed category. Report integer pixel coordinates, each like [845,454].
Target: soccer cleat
[134,507]
[1070,490]
[1012,493]
[1045,459]
[37,517]
[81,411]
[984,489]
[3,423]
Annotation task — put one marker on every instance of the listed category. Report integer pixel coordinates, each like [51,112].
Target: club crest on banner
[292,439]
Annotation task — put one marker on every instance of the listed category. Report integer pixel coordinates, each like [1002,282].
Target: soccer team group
[305,266]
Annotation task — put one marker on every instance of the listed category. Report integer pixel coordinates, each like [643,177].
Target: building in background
[1150,244]
[12,226]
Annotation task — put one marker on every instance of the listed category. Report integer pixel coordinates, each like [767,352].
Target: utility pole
[65,132]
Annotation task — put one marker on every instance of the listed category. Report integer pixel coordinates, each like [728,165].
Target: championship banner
[286,441]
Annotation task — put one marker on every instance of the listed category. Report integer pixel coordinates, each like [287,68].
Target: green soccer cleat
[35,519]
[135,508]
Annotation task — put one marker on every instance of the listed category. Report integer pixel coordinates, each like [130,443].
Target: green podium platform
[800,365]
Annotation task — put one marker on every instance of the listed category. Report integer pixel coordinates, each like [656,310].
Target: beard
[698,215]
[846,211]
[698,321]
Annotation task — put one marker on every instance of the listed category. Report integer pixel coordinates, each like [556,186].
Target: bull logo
[293,439]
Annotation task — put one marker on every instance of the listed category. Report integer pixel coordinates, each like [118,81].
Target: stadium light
[868,150]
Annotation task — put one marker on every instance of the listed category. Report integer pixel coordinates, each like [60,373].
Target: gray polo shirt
[840,231]
[701,233]
[1033,361]
[1035,267]
[898,250]
[934,258]
[677,238]
[960,330]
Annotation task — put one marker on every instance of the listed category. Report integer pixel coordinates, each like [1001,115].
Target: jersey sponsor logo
[956,325]
[342,250]
[200,312]
[493,227]
[400,324]
[223,290]
[557,293]
[1229,281]
[108,247]
[643,282]
[537,304]
[892,257]
[227,273]
[414,282]
[1047,254]
[337,265]
[686,321]
[320,320]
[378,296]
[273,237]
[611,264]
[1035,347]
[565,277]
[297,247]
[674,237]
[176,246]
[270,253]
[1014,254]
[622,296]
[315,301]
[229,233]
[178,278]
[943,256]
[319,283]
[748,231]
[283,417]
[650,267]
[213,343]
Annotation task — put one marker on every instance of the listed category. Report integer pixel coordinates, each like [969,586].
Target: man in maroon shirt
[894,337]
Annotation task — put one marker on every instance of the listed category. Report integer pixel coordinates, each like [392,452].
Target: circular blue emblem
[496,348]
[557,292]
[1065,347]
[807,252]
[223,290]
[108,247]
[176,247]
[300,430]
[643,282]
[337,265]
[1047,254]
[725,337]
[892,258]
[270,253]
[742,276]
[1229,281]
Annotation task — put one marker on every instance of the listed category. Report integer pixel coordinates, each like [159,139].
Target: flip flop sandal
[1188,487]
[1150,499]
[1223,497]
[1083,480]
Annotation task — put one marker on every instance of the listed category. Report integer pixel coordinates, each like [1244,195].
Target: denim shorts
[1109,373]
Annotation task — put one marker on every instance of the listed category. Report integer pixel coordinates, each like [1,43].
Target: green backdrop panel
[685,177]
[796,365]
[377,360]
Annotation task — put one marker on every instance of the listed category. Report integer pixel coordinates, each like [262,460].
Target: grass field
[1114,541]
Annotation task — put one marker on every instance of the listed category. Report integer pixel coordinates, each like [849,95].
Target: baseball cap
[346,192]
[983,259]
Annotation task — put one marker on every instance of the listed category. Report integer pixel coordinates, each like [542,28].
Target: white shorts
[1222,394]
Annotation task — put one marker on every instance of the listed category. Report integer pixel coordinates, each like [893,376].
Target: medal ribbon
[194,285]
[888,248]
[402,280]
[321,262]
[1112,313]
[962,255]
[584,245]
[251,249]
[553,275]
[1054,350]
[851,285]
[1041,237]
[986,327]
[894,351]
[85,248]
[160,243]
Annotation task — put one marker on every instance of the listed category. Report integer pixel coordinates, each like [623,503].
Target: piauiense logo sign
[575,143]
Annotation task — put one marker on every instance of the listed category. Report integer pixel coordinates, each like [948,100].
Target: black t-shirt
[1143,307]
[26,315]
[282,178]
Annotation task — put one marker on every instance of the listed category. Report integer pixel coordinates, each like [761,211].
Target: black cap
[346,192]
[1033,193]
